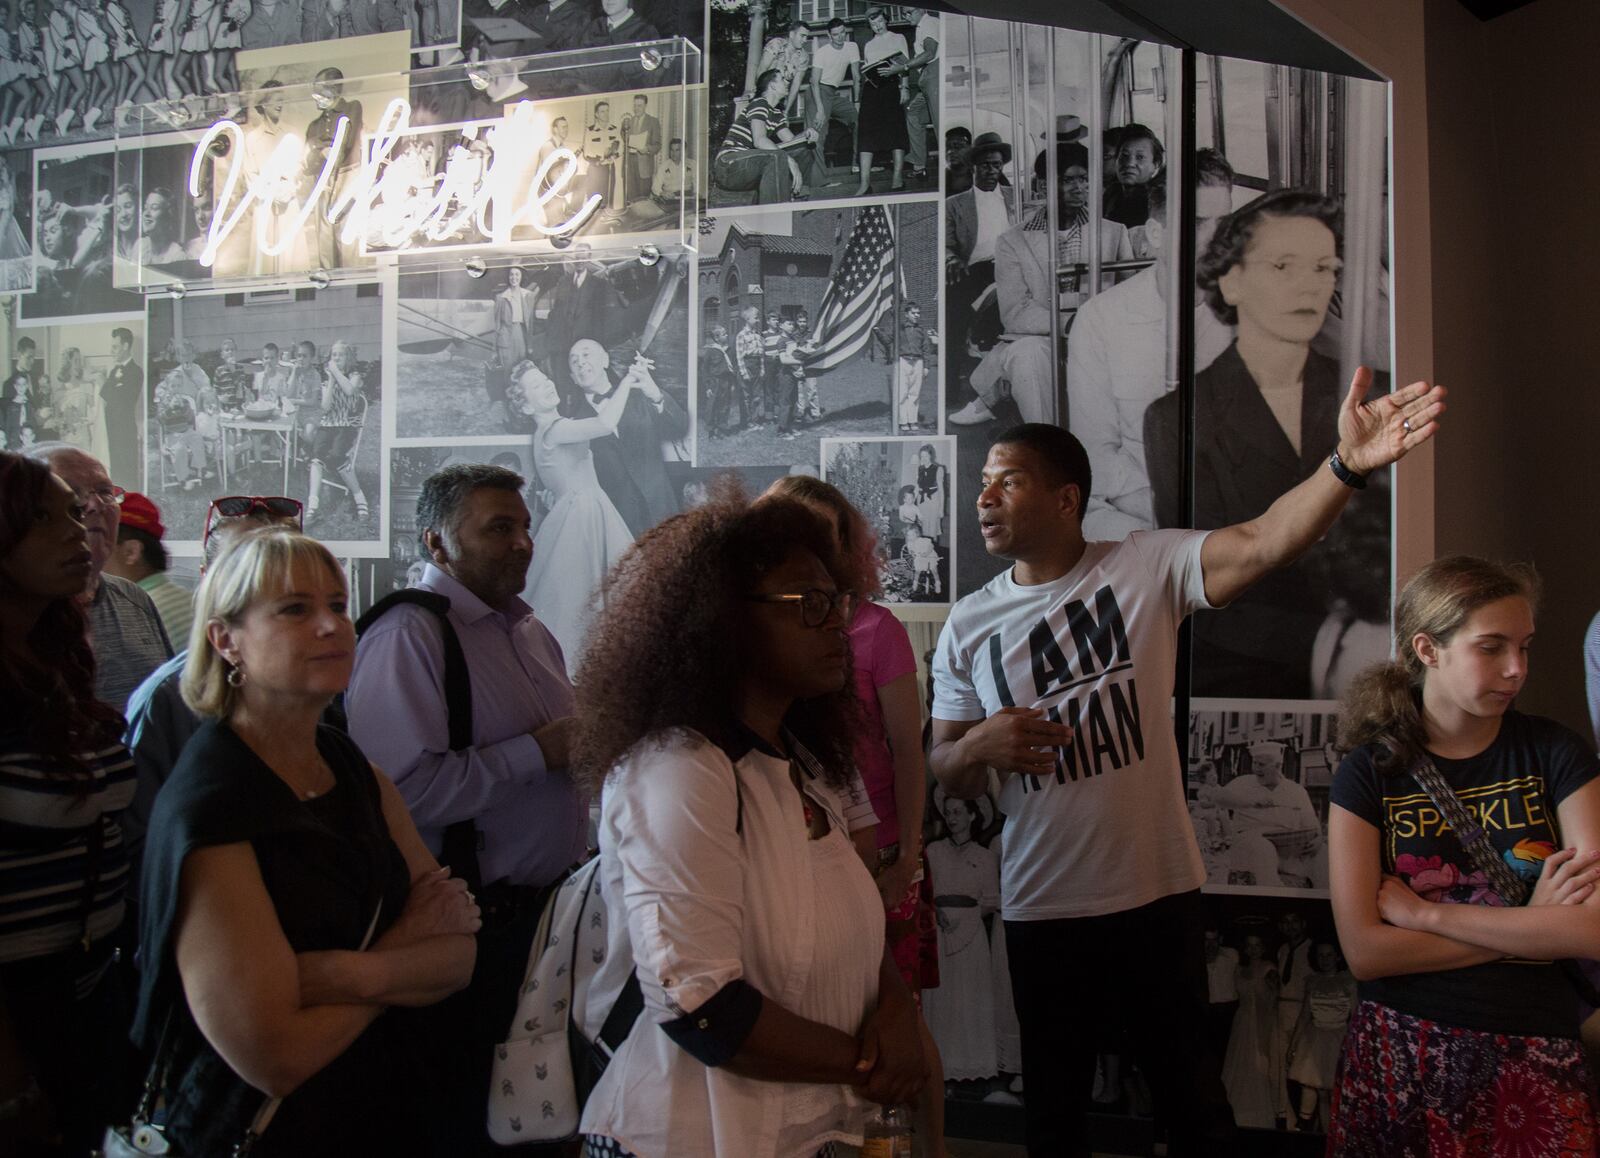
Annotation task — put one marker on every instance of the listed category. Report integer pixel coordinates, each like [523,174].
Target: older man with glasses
[124,626]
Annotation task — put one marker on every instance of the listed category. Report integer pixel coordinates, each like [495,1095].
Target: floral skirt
[1409,1088]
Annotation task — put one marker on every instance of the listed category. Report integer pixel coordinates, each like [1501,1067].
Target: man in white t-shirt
[1058,674]
[836,84]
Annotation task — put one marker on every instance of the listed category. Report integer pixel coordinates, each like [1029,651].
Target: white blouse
[884,46]
[800,920]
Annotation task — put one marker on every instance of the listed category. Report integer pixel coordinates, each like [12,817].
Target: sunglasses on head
[238,506]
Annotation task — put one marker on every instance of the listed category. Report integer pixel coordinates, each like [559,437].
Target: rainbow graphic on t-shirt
[1527,857]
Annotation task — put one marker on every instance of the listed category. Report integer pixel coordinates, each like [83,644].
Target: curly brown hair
[48,685]
[667,654]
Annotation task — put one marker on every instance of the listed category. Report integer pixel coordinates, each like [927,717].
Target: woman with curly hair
[772,1012]
[1466,1023]
[64,778]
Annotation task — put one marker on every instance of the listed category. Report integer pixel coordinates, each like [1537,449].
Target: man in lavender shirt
[512,782]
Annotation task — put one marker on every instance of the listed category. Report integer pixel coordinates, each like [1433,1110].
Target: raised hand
[639,375]
[1373,434]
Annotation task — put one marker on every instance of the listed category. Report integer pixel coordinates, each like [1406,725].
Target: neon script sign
[393,202]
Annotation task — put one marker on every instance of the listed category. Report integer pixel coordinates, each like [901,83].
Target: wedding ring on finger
[1406,422]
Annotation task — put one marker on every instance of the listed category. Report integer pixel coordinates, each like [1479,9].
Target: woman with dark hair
[125,221]
[933,492]
[513,315]
[771,1006]
[158,230]
[64,777]
[966,888]
[885,59]
[1265,417]
[888,753]
[1468,1020]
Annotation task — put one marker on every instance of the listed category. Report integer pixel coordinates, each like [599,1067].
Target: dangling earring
[236,677]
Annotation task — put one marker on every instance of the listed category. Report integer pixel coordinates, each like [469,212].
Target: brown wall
[1535,309]
[1497,164]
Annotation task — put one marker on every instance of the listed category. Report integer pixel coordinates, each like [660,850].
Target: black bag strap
[457,680]
[459,848]
[1485,857]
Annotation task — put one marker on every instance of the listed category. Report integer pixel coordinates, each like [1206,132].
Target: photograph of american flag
[861,292]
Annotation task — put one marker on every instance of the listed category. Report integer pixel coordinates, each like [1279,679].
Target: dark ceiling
[1489,9]
[1248,29]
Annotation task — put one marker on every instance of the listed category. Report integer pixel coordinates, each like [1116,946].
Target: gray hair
[45,451]
[445,492]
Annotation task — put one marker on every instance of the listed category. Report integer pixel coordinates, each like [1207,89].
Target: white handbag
[555,1048]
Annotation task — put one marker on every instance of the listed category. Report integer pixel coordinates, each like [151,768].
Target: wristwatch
[1344,474]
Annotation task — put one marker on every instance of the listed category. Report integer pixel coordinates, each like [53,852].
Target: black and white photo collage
[907,233]
[871,281]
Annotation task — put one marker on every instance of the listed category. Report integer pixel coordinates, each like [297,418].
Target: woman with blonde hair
[287,900]
[1453,903]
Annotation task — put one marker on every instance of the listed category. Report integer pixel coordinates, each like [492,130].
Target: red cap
[141,514]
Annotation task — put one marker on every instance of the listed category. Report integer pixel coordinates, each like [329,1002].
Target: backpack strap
[459,849]
[1510,887]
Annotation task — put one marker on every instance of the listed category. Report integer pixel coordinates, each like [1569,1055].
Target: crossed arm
[1391,923]
[278,1017]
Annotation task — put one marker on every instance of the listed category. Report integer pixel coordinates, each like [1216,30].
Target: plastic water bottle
[888,1134]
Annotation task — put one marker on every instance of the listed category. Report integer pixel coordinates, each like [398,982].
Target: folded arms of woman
[1386,930]
[278,1017]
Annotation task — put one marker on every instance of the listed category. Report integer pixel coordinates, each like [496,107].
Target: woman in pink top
[888,753]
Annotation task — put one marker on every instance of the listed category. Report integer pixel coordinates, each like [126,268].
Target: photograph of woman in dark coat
[1265,418]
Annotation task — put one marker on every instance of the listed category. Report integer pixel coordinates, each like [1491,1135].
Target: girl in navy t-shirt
[1467,1030]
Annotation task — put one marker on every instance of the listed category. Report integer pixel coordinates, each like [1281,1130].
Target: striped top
[174,604]
[740,135]
[128,638]
[46,832]
[342,406]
